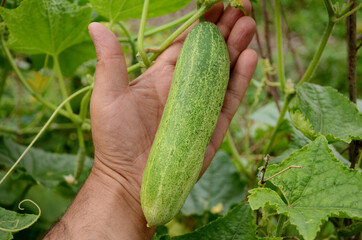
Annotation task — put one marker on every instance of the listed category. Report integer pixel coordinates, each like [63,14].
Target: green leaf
[5,235]
[161,233]
[13,188]
[298,141]
[11,221]
[267,114]
[45,26]
[322,188]
[70,59]
[217,190]
[51,201]
[237,224]
[116,10]
[46,168]
[323,111]
[75,56]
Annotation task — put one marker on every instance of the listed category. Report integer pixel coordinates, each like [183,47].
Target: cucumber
[191,112]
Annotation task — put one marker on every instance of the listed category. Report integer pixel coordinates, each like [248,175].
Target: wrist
[104,209]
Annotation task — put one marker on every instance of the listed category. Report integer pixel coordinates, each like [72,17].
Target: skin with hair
[125,117]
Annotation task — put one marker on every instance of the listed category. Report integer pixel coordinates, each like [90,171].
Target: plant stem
[133,68]
[180,30]
[267,32]
[329,6]
[290,45]
[317,56]
[359,161]
[161,28]
[281,221]
[263,170]
[351,12]
[239,164]
[173,36]
[141,32]
[3,77]
[63,89]
[44,128]
[84,105]
[3,3]
[34,130]
[278,26]
[130,41]
[351,26]
[271,77]
[284,170]
[251,109]
[287,100]
[272,90]
[28,87]
[81,154]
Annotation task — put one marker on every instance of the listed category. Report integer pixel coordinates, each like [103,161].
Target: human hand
[125,116]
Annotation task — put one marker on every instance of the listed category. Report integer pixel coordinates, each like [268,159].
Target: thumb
[111,71]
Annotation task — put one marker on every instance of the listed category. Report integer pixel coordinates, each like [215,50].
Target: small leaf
[47,168]
[126,9]
[45,26]
[322,188]
[71,58]
[38,82]
[238,4]
[237,224]
[160,233]
[5,235]
[11,221]
[323,111]
[303,124]
[219,185]
[267,114]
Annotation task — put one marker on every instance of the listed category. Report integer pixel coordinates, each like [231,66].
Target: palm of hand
[126,125]
[125,116]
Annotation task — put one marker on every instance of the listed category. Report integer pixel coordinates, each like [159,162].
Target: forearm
[103,209]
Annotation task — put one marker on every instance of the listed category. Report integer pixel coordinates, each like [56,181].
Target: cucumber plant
[309,191]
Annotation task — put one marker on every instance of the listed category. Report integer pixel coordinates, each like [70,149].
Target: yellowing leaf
[39,82]
[217,209]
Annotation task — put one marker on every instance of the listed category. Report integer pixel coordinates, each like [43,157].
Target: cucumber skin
[189,119]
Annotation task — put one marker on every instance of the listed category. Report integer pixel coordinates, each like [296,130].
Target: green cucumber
[191,112]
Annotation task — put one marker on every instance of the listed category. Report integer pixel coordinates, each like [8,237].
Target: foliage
[60,26]
[238,223]
[328,103]
[322,188]
[46,54]
[219,188]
